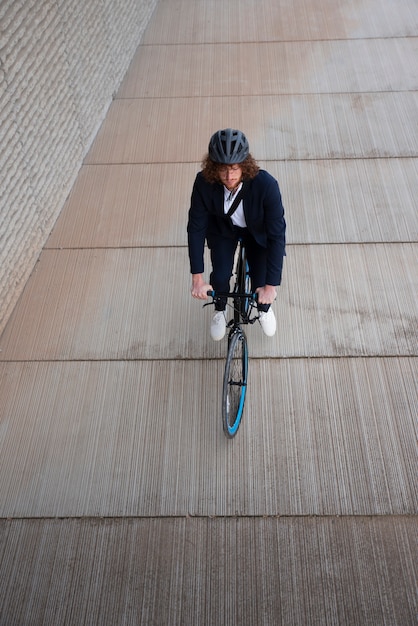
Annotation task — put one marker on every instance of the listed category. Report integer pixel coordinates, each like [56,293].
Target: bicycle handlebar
[221,294]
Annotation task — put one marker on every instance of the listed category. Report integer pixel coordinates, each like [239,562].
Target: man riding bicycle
[234,199]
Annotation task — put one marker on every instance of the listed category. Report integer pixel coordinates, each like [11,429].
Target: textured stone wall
[61,61]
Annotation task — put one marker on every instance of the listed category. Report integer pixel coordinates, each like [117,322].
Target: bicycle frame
[244,300]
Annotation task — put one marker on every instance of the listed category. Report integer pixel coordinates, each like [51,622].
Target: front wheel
[243,285]
[235,383]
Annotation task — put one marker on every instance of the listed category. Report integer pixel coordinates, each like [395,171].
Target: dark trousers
[222,257]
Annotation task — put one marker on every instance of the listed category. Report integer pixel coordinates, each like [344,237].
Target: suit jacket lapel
[218,200]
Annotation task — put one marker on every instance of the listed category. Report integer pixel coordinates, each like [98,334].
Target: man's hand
[200,287]
[266,294]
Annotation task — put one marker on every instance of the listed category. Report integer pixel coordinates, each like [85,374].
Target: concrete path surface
[121,501]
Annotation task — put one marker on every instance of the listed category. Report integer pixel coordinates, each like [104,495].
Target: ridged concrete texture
[212,571]
[121,500]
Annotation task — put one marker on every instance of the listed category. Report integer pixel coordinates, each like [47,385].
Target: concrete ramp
[211,571]
[121,501]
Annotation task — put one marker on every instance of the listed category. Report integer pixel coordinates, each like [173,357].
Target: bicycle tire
[244,283]
[234,383]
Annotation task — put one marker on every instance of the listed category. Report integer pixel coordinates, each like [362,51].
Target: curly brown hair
[210,169]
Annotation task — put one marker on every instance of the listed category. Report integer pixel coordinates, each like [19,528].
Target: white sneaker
[218,326]
[268,322]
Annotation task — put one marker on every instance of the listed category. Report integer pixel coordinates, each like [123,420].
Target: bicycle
[236,367]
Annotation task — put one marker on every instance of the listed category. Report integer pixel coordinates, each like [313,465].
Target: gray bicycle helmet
[228,146]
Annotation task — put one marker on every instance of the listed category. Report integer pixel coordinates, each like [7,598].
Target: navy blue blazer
[264,215]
